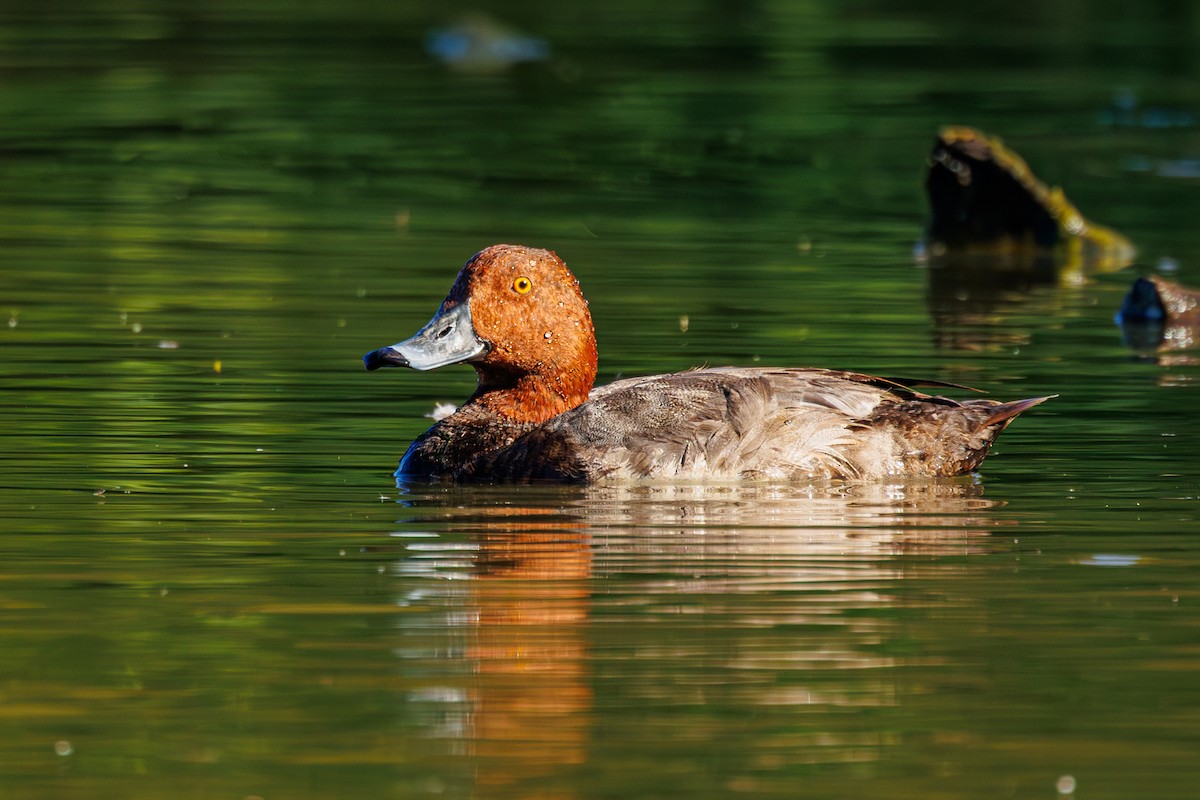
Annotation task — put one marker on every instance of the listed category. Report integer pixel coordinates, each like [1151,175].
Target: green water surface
[210,586]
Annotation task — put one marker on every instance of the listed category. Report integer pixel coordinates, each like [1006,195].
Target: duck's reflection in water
[528,648]
[615,612]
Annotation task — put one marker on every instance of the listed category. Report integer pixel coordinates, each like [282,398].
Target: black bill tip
[384,357]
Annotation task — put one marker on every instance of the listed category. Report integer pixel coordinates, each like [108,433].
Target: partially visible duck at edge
[1161,316]
[1156,299]
[517,315]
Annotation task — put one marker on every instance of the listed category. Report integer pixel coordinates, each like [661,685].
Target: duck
[1157,300]
[1160,315]
[518,316]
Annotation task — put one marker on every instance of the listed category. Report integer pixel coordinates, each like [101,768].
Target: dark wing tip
[1004,413]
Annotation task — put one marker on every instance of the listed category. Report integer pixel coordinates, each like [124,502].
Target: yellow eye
[522,285]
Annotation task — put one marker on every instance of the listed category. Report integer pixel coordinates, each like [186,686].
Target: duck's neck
[530,397]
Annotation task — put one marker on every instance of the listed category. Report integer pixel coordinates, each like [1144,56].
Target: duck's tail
[1005,413]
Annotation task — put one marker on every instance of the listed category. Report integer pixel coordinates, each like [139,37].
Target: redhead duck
[517,315]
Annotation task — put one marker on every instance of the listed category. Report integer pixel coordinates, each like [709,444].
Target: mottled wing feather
[713,424]
[731,424]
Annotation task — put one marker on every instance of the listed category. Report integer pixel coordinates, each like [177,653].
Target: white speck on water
[63,747]
[1111,560]
[1065,784]
[1167,264]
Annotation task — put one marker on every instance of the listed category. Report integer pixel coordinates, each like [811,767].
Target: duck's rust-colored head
[518,316]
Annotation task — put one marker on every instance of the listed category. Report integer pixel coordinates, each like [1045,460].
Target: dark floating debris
[986,202]
[1000,240]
